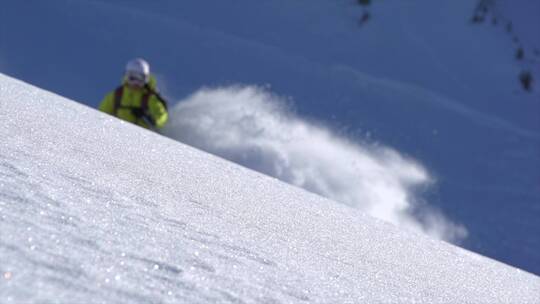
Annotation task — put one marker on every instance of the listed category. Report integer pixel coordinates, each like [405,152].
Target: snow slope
[97,210]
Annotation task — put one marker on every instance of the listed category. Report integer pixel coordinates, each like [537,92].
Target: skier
[137,100]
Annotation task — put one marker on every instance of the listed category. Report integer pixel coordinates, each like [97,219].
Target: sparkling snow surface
[97,210]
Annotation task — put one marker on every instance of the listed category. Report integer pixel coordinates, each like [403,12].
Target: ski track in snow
[93,209]
[419,94]
[428,96]
[422,94]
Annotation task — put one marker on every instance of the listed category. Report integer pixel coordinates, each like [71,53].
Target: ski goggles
[136,79]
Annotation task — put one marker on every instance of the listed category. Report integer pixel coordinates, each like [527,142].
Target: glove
[138,112]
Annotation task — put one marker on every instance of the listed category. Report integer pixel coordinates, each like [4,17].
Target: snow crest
[255,128]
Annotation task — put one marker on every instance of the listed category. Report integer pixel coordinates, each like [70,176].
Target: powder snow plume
[253,127]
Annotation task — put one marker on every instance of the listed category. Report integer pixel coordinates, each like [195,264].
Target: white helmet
[138,70]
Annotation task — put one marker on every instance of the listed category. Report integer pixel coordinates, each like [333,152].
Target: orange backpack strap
[118,99]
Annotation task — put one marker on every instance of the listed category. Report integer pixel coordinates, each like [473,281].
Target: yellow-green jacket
[130,106]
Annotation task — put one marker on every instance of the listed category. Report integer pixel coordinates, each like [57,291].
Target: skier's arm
[107,105]
[158,112]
